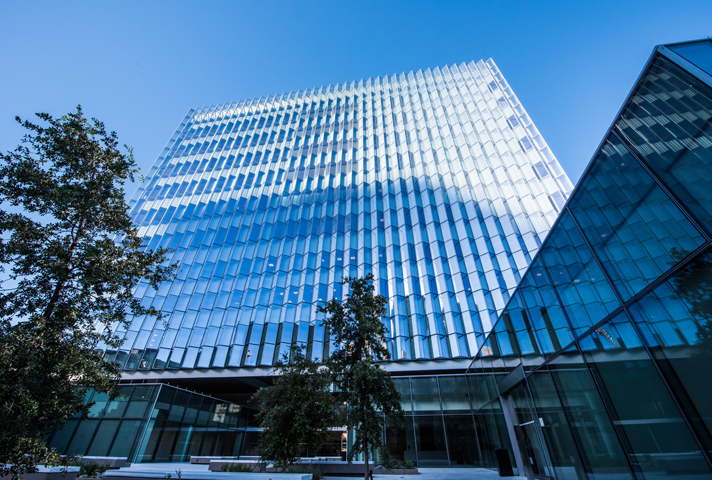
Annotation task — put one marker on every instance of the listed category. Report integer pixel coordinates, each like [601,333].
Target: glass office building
[436,182]
[601,364]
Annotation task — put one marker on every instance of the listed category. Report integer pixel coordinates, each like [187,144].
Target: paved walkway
[189,472]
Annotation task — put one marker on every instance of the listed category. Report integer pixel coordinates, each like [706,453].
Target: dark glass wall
[602,360]
[155,423]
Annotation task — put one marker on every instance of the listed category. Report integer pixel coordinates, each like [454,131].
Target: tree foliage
[297,411]
[71,258]
[367,389]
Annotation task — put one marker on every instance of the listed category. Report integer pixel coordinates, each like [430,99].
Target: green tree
[71,258]
[297,410]
[366,388]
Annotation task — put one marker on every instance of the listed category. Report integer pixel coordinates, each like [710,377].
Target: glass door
[529,436]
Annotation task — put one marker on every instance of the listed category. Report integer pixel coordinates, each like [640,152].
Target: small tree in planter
[297,411]
[365,388]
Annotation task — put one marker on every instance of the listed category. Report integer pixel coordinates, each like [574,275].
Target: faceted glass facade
[436,182]
[602,360]
[156,423]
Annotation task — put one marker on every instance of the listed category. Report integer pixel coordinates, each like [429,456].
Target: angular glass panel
[555,428]
[654,434]
[141,401]
[593,433]
[586,294]
[667,121]
[102,442]
[676,323]
[537,318]
[126,438]
[82,437]
[697,53]
[634,227]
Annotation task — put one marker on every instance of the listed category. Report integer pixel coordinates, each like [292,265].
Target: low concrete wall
[217,465]
[194,459]
[51,473]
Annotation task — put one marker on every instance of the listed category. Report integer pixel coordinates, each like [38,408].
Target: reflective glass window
[426,398]
[653,432]
[634,227]
[586,294]
[430,441]
[461,440]
[453,393]
[667,122]
[697,53]
[676,323]
[591,428]
[555,428]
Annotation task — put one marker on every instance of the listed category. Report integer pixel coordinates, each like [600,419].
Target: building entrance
[527,429]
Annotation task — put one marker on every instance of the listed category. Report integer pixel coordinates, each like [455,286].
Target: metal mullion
[606,411]
[412,410]
[642,339]
[539,432]
[474,421]
[442,420]
[568,423]
[577,337]
[148,421]
[669,389]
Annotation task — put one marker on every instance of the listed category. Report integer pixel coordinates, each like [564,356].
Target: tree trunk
[365,457]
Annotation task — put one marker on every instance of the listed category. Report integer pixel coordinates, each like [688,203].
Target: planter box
[396,471]
[114,462]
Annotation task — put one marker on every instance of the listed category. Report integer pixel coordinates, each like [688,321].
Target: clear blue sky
[139,66]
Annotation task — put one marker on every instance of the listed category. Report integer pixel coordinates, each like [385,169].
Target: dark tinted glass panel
[585,293]
[102,441]
[669,123]
[654,434]
[425,395]
[83,437]
[400,441]
[676,323]
[593,433]
[403,387]
[100,401]
[430,440]
[166,442]
[60,439]
[117,407]
[564,457]
[633,226]
[453,392]
[479,394]
[699,54]
[461,440]
[164,402]
[126,438]
[141,401]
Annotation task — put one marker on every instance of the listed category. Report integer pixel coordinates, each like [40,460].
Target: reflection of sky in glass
[435,182]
